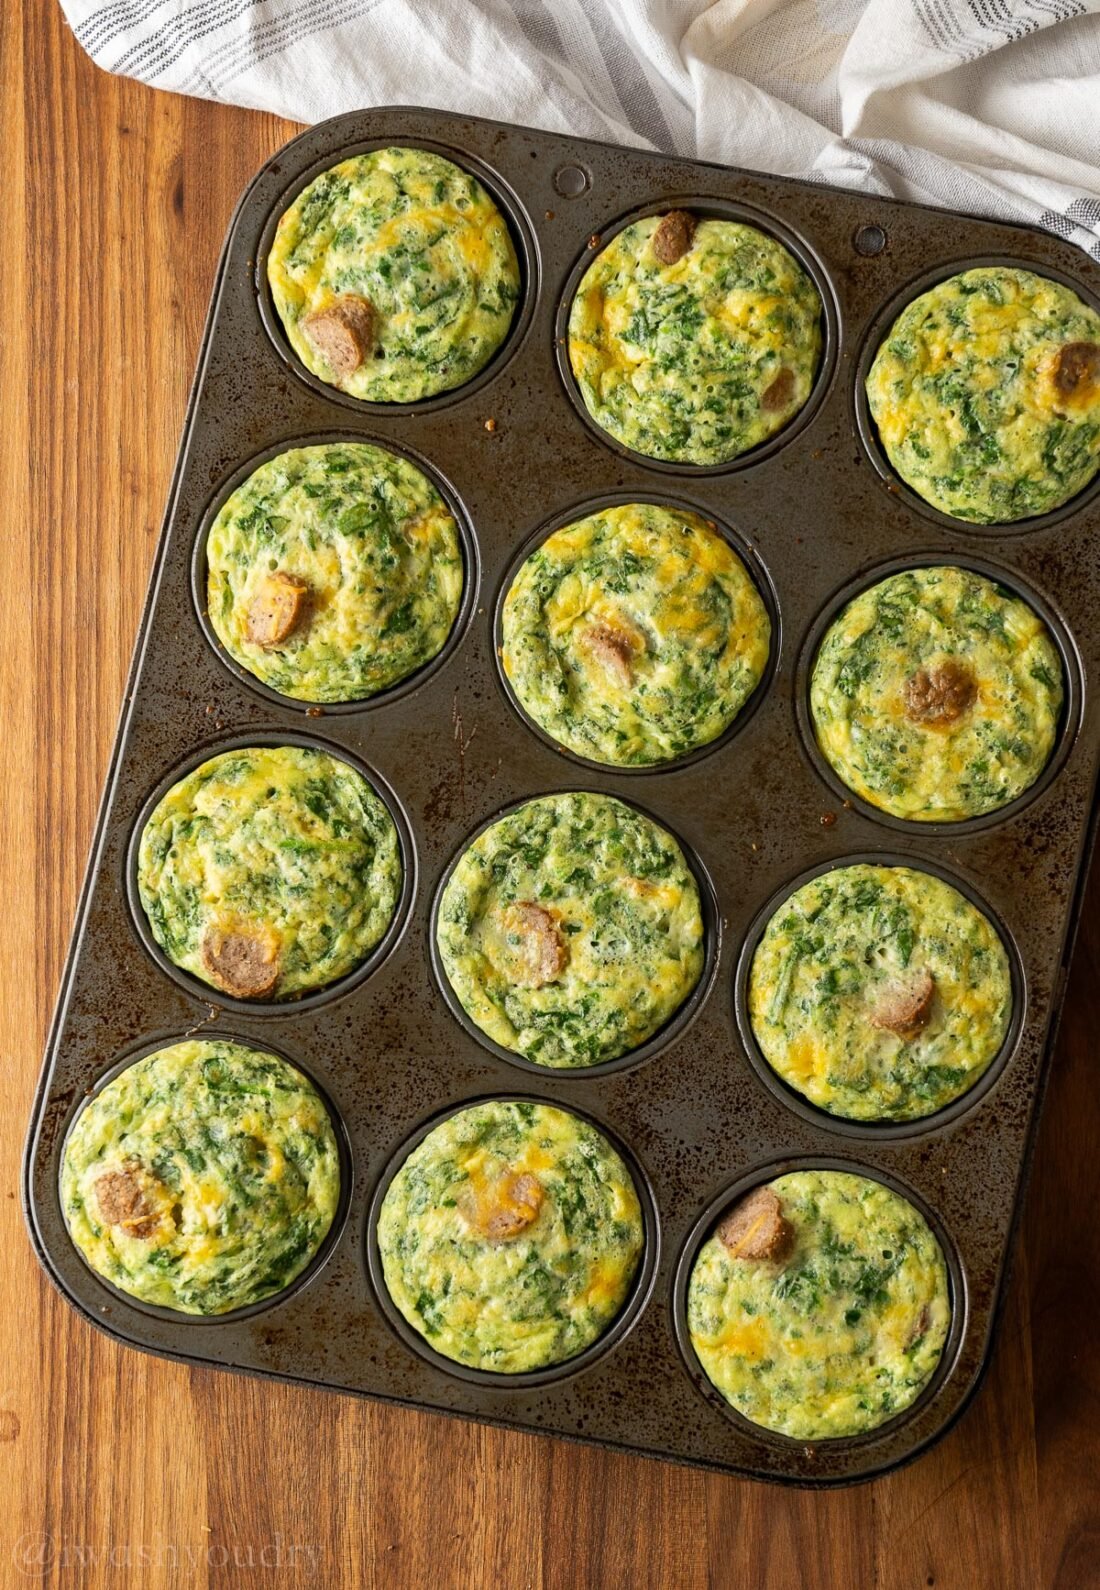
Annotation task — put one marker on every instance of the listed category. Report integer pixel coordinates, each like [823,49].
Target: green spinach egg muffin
[269,871]
[394,275]
[334,572]
[571,930]
[880,993]
[634,635]
[820,1305]
[694,340]
[510,1236]
[202,1178]
[986,394]
[936,695]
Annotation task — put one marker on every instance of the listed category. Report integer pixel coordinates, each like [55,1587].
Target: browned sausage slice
[941,694]
[779,393]
[512,1207]
[276,609]
[539,954]
[1077,369]
[614,650]
[755,1228]
[122,1202]
[343,333]
[919,1327]
[244,962]
[904,1005]
[673,237]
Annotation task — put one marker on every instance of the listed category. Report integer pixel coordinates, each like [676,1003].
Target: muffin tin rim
[1070,718]
[639,170]
[805,255]
[958,1289]
[874,335]
[142,1049]
[469,552]
[755,567]
[881,1129]
[524,241]
[634,1305]
[396,928]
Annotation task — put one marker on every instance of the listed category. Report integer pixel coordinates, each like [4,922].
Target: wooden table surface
[118,1468]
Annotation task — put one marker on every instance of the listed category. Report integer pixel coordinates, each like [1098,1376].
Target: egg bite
[394,275]
[634,635]
[334,572]
[693,339]
[820,1305]
[571,929]
[986,394]
[880,993]
[269,871]
[203,1178]
[510,1236]
[936,695]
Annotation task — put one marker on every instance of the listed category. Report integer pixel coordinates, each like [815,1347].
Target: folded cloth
[991,106]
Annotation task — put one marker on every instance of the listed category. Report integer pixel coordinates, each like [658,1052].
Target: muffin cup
[328,1243]
[471,577]
[720,210]
[917,1411]
[206,993]
[523,241]
[1069,722]
[867,430]
[881,1130]
[633,1304]
[667,1034]
[758,573]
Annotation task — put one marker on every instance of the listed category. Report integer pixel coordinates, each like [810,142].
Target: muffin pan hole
[523,241]
[883,1130]
[206,993]
[329,1242]
[1069,721]
[471,576]
[633,1304]
[708,208]
[758,574]
[867,430]
[958,1298]
[672,1029]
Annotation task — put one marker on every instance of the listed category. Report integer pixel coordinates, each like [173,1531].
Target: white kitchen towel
[991,106]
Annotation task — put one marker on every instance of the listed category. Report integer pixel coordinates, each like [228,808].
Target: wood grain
[120,1469]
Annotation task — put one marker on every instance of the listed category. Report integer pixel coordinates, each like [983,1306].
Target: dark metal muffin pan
[696,1118]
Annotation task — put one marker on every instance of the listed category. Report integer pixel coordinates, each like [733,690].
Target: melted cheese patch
[840,1334]
[377,549]
[692,631]
[838,947]
[424,243]
[535,1298]
[283,841]
[963,393]
[923,619]
[232,1153]
[674,360]
[627,927]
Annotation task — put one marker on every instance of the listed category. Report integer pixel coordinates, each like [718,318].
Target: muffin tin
[820,514]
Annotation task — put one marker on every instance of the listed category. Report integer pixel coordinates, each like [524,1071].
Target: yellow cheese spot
[804,1058]
[745,1339]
